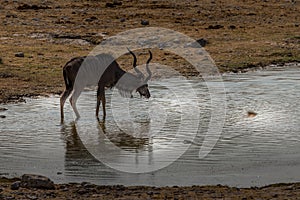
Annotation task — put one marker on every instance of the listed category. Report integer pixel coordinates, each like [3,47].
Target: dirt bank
[36,38]
[90,191]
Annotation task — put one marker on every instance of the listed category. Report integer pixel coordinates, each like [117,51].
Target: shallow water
[140,134]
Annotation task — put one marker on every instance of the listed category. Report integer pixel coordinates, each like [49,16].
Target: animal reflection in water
[124,140]
[77,154]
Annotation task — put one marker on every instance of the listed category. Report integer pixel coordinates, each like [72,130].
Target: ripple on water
[250,147]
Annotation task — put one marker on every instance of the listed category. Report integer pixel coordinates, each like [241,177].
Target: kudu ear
[139,73]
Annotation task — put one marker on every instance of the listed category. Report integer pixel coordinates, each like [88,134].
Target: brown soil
[90,191]
[240,35]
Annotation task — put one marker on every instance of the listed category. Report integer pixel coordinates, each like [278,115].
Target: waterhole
[253,149]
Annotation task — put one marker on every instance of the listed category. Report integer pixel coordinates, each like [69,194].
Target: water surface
[251,151]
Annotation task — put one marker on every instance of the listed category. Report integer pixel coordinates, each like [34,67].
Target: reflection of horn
[147,68]
[140,74]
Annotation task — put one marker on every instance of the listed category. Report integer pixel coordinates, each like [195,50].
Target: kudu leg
[63,99]
[73,101]
[100,98]
[103,106]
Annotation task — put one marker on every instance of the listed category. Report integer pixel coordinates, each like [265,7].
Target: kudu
[103,70]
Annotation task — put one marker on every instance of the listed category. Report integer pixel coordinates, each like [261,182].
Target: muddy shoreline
[20,97]
[87,190]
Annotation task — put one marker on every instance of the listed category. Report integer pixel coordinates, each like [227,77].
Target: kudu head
[143,86]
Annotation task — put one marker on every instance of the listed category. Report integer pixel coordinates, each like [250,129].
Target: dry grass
[253,33]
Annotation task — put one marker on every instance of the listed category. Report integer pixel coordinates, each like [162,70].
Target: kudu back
[104,71]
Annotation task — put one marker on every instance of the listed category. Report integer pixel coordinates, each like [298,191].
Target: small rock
[19,193]
[144,22]
[113,4]
[150,193]
[87,185]
[6,75]
[20,55]
[61,187]
[82,191]
[32,197]
[93,18]
[11,16]
[36,19]
[2,109]
[52,195]
[122,19]
[59,173]
[15,185]
[65,190]
[109,5]
[117,3]
[44,67]
[2,116]
[218,26]
[36,181]
[203,42]
[232,27]
[195,44]
[251,114]
[32,7]
[88,20]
